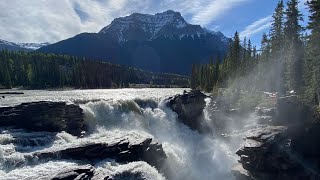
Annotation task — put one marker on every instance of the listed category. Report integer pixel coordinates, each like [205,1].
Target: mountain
[11,46]
[20,46]
[33,46]
[163,42]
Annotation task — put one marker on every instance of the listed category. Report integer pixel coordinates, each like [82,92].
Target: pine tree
[244,49]
[265,48]
[292,28]
[312,63]
[293,47]
[235,54]
[244,57]
[254,53]
[194,77]
[249,59]
[217,71]
[276,31]
[276,39]
[249,49]
[264,64]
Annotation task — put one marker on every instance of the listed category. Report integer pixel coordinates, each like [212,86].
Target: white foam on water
[129,171]
[38,172]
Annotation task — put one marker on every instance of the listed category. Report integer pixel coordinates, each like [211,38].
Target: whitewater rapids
[117,114]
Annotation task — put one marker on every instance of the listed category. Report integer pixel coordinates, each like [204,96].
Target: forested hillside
[289,58]
[39,70]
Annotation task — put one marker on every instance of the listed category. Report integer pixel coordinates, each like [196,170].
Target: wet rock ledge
[44,116]
[85,172]
[122,151]
[189,107]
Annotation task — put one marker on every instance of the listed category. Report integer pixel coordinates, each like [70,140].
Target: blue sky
[52,20]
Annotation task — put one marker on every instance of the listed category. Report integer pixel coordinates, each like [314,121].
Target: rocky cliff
[290,151]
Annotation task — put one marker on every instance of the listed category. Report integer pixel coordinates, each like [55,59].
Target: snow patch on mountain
[169,24]
[30,46]
[33,46]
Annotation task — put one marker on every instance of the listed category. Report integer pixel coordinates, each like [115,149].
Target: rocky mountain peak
[137,26]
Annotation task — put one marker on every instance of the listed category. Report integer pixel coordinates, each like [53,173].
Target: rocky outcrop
[80,173]
[44,116]
[189,107]
[278,152]
[285,147]
[121,151]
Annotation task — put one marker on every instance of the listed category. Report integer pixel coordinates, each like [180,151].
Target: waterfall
[190,155]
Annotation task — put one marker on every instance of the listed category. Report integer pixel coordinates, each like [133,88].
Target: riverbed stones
[44,116]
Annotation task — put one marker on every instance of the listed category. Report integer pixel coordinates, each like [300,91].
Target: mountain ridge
[21,46]
[153,25]
[163,42]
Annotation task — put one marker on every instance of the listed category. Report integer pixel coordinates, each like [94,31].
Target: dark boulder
[79,173]
[44,116]
[121,151]
[189,107]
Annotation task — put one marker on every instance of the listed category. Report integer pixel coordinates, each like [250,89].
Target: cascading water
[190,155]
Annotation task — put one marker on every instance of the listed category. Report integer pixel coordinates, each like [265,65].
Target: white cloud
[38,20]
[256,27]
[52,20]
[214,9]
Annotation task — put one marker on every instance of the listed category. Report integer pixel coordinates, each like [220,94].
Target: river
[114,114]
